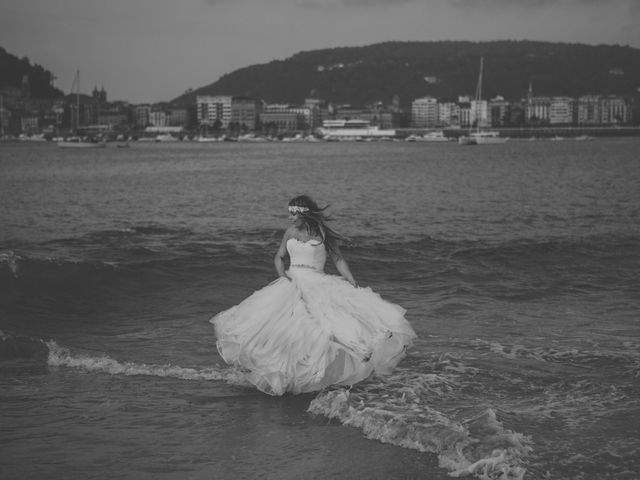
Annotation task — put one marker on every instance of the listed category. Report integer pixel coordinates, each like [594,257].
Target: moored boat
[481,136]
[77,142]
[352,130]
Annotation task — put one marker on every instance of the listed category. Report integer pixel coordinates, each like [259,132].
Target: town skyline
[145,53]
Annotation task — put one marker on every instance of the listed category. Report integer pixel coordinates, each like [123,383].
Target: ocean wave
[396,412]
[62,357]
[21,346]
[625,359]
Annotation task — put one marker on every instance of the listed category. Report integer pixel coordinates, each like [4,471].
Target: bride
[308,329]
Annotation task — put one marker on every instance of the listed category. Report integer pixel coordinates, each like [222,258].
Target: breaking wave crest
[478,445]
[63,357]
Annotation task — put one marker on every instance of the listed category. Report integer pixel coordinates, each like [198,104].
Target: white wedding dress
[313,331]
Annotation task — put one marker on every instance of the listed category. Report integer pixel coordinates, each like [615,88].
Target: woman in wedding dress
[308,329]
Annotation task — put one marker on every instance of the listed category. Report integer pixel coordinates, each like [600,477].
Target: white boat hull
[490,140]
[482,138]
[354,133]
[63,144]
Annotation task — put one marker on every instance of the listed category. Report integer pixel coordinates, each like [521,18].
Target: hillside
[364,75]
[12,70]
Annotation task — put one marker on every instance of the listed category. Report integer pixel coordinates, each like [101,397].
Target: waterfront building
[177,116]
[614,110]
[5,116]
[158,117]
[245,112]
[290,114]
[449,114]
[424,112]
[561,111]
[537,110]
[589,110]
[112,118]
[274,122]
[465,113]
[29,123]
[214,110]
[319,111]
[141,115]
[479,114]
[498,111]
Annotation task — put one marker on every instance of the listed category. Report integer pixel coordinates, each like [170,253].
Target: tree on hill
[14,69]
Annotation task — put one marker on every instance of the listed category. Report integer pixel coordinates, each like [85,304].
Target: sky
[146,51]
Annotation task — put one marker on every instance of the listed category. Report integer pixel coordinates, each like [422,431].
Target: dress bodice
[307,254]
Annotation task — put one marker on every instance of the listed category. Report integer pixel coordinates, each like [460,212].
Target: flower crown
[296,209]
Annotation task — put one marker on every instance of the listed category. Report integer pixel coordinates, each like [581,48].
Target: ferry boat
[353,130]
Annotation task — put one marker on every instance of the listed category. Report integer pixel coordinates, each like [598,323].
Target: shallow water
[517,264]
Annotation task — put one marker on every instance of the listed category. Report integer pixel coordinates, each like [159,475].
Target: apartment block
[424,112]
[449,114]
[498,111]
[141,115]
[214,108]
[158,118]
[614,110]
[561,111]
[479,115]
[589,110]
[245,112]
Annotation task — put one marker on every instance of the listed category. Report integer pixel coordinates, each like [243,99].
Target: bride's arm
[342,266]
[281,254]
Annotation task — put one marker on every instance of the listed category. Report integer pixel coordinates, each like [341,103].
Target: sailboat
[480,136]
[76,141]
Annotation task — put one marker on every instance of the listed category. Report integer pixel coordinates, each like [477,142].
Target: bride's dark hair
[316,221]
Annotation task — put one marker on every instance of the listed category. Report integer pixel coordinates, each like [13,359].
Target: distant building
[177,116]
[424,112]
[5,118]
[112,118]
[29,123]
[245,112]
[319,111]
[283,121]
[561,111]
[214,109]
[498,111]
[304,114]
[448,114]
[479,113]
[100,96]
[589,110]
[141,115]
[614,110]
[537,110]
[158,117]
[464,108]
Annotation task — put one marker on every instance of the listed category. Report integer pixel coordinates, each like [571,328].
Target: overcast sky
[153,50]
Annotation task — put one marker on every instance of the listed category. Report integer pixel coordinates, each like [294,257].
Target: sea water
[517,264]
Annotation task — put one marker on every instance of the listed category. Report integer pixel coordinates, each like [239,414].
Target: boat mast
[77,83]
[479,94]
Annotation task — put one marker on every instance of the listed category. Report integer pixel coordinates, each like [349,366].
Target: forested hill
[364,75]
[13,69]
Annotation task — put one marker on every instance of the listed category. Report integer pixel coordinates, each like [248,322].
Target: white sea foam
[11,260]
[62,357]
[479,446]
